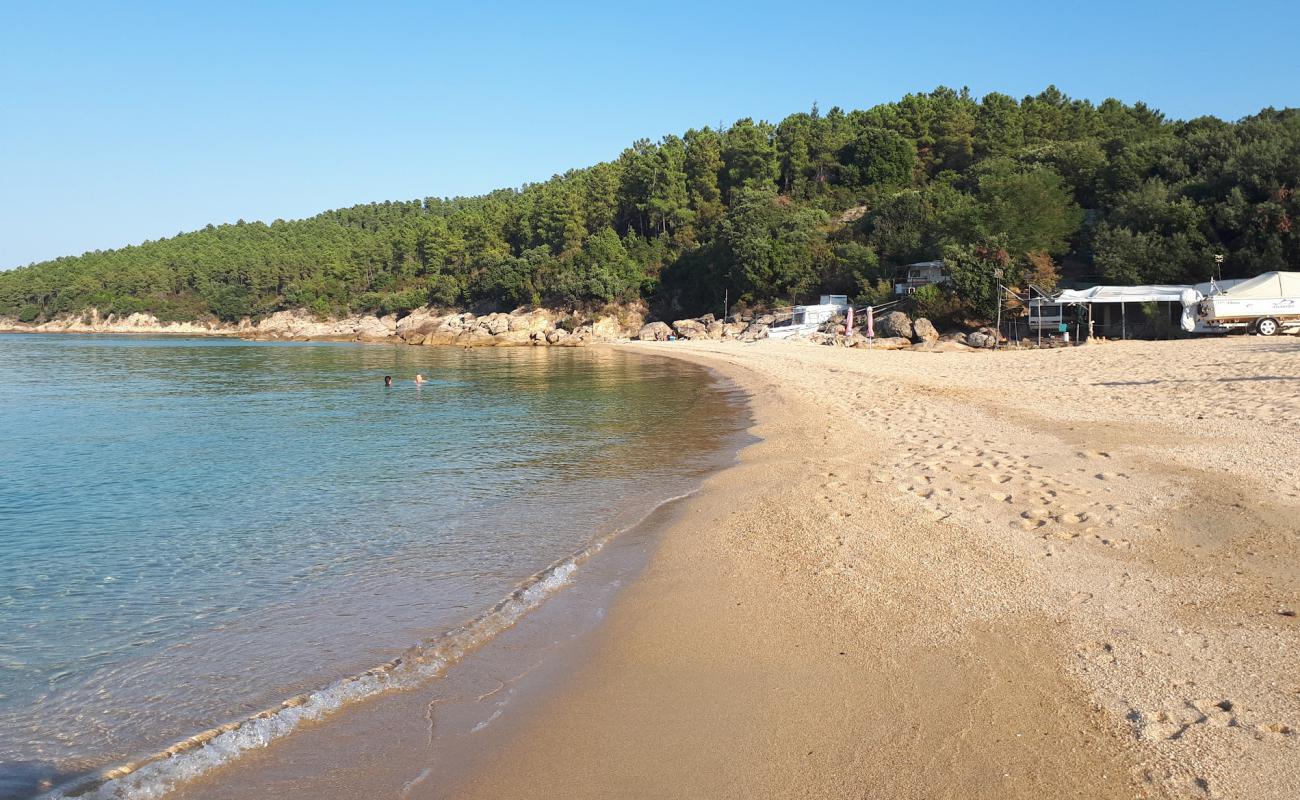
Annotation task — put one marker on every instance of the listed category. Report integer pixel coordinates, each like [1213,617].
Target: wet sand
[1043,574]
[1067,573]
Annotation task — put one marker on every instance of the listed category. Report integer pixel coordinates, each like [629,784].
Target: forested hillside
[822,201]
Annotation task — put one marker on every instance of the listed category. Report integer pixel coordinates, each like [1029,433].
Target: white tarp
[1267,286]
[1127,294]
[1186,296]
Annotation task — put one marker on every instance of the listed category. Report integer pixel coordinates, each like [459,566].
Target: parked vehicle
[1045,315]
[1266,304]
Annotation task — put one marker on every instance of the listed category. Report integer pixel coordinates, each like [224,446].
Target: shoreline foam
[157,774]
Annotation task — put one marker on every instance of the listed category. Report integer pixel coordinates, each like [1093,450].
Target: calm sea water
[194,530]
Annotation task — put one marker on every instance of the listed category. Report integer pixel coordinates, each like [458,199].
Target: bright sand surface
[1053,574]
[1066,573]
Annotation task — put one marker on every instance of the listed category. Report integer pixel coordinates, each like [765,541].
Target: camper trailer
[1266,304]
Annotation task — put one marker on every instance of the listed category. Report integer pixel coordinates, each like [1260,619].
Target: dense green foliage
[759,213]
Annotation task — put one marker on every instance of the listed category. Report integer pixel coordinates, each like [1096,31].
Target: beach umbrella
[848,322]
[871,322]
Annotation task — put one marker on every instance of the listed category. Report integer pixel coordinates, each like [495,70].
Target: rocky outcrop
[982,338]
[895,324]
[521,328]
[425,326]
[91,322]
[924,331]
[691,329]
[655,332]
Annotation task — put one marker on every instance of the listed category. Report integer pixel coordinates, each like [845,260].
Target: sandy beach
[1067,573]
[1040,574]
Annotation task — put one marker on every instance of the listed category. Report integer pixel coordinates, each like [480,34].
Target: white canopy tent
[1186,296]
[1131,294]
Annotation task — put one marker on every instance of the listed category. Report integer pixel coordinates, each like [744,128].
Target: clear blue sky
[122,122]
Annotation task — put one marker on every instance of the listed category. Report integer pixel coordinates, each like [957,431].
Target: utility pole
[997,278]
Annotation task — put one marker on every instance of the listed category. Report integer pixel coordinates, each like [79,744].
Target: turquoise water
[195,530]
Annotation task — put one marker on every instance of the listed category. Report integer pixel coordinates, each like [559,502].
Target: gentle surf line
[155,775]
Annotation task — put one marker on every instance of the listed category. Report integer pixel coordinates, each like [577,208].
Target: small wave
[156,775]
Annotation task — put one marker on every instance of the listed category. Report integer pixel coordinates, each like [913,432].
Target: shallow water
[194,530]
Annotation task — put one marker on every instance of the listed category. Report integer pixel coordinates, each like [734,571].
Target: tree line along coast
[756,215]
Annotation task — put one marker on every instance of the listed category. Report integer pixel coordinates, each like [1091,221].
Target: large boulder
[731,330]
[924,331]
[715,329]
[420,321]
[983,338]
[373,329]
[536,321]
[624,325]
[755,331]
[513,339]
[895,324]
[691,329]
[444,334]
[765,319]
[474,337]
[655,332]
[495,323]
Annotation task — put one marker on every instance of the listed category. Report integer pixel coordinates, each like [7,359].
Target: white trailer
[1266,304]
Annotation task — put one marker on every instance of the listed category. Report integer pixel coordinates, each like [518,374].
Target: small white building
[922,273]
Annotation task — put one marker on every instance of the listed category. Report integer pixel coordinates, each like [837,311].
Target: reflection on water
[191,530]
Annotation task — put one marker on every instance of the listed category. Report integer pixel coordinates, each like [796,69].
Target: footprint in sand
[1072,519]
[1000,497]
[1000,478]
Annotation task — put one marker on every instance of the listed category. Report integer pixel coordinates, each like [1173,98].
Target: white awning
[1183,295]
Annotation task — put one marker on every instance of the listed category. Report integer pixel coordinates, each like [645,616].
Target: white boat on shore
[807,319]
[1266,304]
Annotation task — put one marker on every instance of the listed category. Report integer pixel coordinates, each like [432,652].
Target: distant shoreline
[427,327]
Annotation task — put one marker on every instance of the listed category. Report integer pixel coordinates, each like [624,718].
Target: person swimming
[388,380]
[419,379]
